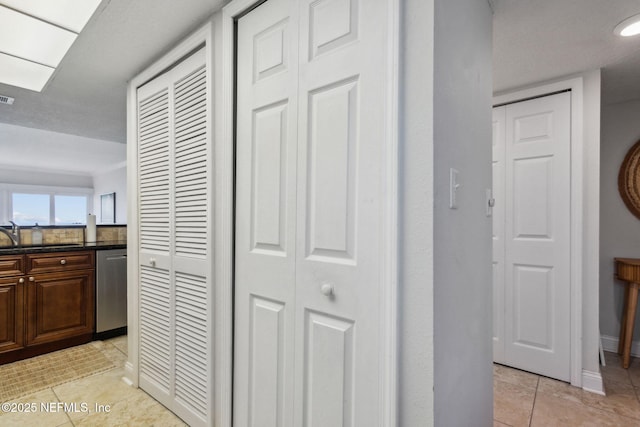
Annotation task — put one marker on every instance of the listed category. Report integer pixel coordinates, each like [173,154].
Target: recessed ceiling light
[628,27]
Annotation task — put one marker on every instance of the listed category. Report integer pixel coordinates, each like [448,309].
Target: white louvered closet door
[175,263]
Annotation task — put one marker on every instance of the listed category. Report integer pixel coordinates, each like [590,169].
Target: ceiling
[538,40]
[87,94]
[534,41]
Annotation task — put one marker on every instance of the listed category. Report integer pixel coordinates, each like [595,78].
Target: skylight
[35,36]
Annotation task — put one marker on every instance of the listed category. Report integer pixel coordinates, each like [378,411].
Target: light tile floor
[520,399]
[127,406]
[524,399]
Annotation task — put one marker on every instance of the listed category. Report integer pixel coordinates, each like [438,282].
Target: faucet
[14,234]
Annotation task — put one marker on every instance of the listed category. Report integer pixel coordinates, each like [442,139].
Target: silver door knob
[63,261]
[327,289]
[32,279]
[21,280]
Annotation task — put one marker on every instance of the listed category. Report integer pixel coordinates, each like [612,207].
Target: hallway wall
[619,228]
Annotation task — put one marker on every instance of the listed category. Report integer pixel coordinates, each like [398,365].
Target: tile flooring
[127,406]
[520,399]
[524,399]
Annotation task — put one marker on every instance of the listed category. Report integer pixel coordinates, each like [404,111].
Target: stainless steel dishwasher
[111,292]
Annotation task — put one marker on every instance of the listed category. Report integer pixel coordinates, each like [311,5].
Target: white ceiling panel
[32,39]
[25,74]
[70,14]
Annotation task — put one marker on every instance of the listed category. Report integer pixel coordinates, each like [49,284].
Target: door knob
[32,279]
[21,280]
[63,261]
[327,289]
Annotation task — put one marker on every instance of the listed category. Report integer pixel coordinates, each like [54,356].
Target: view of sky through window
[29,209]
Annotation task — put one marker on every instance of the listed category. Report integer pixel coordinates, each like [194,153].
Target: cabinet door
[59,306]
[11,314]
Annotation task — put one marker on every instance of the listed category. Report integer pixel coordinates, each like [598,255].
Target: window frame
[7,191]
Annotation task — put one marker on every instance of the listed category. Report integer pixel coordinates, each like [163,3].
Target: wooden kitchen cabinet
[11,313]
[59,305]
[47,302]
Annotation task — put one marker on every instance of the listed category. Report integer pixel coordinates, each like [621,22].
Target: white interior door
[175,263]
[537,235]
[265,247]
[310,188]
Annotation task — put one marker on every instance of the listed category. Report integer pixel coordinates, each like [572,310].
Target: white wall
[590,227]
[26,176]
[463,283]
[415,216]
[114,181]
[445,358]
[619,229]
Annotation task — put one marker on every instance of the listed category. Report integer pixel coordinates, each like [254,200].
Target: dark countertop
[63,247]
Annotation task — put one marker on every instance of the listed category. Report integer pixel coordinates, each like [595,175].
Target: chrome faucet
[14,234]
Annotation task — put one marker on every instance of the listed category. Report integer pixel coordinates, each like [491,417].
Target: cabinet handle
[21,280]
[63,261]
[32,279]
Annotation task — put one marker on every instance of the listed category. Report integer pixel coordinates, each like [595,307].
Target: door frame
[224,119]
[580,202]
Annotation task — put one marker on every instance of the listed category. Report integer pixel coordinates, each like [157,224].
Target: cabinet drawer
[59,262]
[11,265]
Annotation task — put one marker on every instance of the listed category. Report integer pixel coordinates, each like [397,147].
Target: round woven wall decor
[629,180]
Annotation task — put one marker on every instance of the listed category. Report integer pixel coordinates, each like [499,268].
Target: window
[48,208]
[70,210]
[31,208]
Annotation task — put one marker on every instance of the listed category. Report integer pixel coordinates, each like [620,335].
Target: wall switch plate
[453,188]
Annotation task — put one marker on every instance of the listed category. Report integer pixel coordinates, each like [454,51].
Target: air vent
[6,100]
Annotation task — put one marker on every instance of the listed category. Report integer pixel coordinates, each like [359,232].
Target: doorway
[532,235]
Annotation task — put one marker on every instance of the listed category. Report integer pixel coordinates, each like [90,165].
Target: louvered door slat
[190,164]
[155,326]
[191,339]
[153,144]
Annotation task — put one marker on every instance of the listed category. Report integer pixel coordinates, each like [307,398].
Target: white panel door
[309,190]
[537,236]
[267,75]
[340,177]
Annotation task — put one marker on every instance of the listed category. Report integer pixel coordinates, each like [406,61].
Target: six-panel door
[309,190]
[532,229]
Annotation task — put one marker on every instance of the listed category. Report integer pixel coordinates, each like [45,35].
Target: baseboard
[592,382]
[129,375]
[610,343]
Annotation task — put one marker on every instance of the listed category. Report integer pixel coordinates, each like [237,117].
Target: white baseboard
[611,344]
[592,382]
[129,375]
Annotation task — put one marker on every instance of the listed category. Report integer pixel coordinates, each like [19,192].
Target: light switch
[453,188]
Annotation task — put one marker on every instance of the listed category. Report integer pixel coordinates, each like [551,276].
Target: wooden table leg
[631,304]
[623,323]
